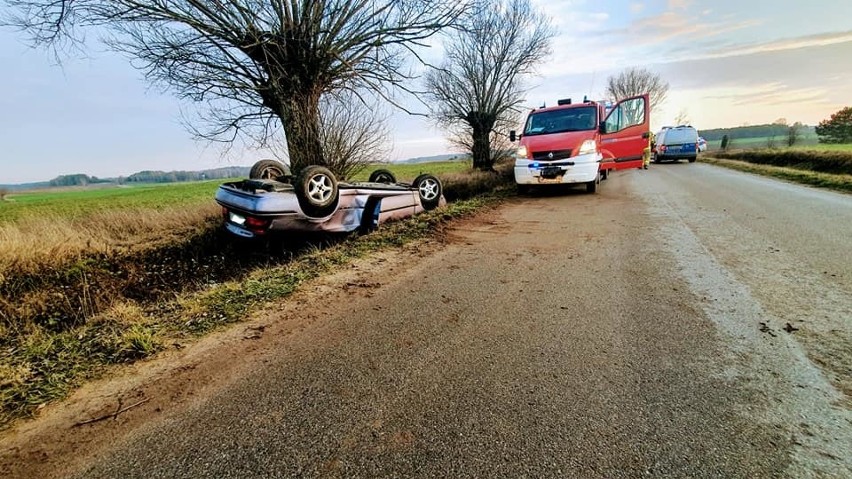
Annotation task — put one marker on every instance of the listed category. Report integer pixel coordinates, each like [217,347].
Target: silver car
[274,200]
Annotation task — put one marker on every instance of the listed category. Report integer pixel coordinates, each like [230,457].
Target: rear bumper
[675,156]
[583,170]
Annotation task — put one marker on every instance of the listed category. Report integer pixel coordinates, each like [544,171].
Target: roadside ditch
[66,324]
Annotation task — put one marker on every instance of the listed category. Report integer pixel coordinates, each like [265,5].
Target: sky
[728,63]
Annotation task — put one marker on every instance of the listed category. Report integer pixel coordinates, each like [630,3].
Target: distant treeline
[77,180]
[756,131]
[179,176]
[153,177]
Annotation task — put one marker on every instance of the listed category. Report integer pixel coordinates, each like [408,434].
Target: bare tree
[476,91]
[353,134]
[638,81]
[682,117]
[794,133]
[771,142]
[255,64]
[461,137]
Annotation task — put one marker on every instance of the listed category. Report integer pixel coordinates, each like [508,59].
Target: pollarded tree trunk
[301,123]
[298,112]
[481,125]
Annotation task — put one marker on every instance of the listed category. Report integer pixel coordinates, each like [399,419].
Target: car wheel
[317,191]
[524,189]
[382,176]
[592,186]
[692,160]
[269,170]
[604,174]
[429,188]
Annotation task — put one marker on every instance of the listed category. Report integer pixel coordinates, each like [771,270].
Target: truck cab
[578,143]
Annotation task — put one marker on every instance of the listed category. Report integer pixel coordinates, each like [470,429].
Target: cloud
[818,40]
[804,85]
[767,94]
[679,4]
[667,26]
[637,8]
[757,103]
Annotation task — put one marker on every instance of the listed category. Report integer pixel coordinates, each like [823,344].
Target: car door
[625,132]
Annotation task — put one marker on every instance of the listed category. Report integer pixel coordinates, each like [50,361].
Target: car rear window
[678,136]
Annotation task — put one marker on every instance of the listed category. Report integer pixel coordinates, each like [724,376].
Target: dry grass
[30,243]
[469,183]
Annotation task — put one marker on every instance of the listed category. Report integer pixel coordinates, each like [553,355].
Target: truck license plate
[551,172]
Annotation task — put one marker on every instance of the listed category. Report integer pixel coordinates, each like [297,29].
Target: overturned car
[273,199]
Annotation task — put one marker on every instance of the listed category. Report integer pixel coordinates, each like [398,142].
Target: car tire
[692,160]
[382,176]
[604,174]
[524,189]
[592,186]
[429,189]
[269,170]
[317,191]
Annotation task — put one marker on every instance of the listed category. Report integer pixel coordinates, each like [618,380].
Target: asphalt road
[637,332]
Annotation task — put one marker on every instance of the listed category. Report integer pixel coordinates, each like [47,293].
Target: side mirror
[602,127]
[512,136]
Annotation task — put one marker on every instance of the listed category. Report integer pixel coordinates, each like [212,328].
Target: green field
[806,142]
[78,203]
[824,147]
[763,142]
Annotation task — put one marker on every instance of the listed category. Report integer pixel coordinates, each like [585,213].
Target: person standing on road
[646,153]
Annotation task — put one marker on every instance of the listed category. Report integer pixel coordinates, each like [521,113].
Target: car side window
[626,114]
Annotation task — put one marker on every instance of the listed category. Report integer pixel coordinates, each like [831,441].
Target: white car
[273,200]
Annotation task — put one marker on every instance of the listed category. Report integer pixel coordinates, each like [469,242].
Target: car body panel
[276,203]
[580,169]
[624,147]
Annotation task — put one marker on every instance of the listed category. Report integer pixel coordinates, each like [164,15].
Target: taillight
[257,225]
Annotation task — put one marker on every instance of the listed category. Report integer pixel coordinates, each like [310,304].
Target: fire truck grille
[556,155]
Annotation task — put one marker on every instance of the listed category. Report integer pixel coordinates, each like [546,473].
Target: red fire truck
[580,143]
